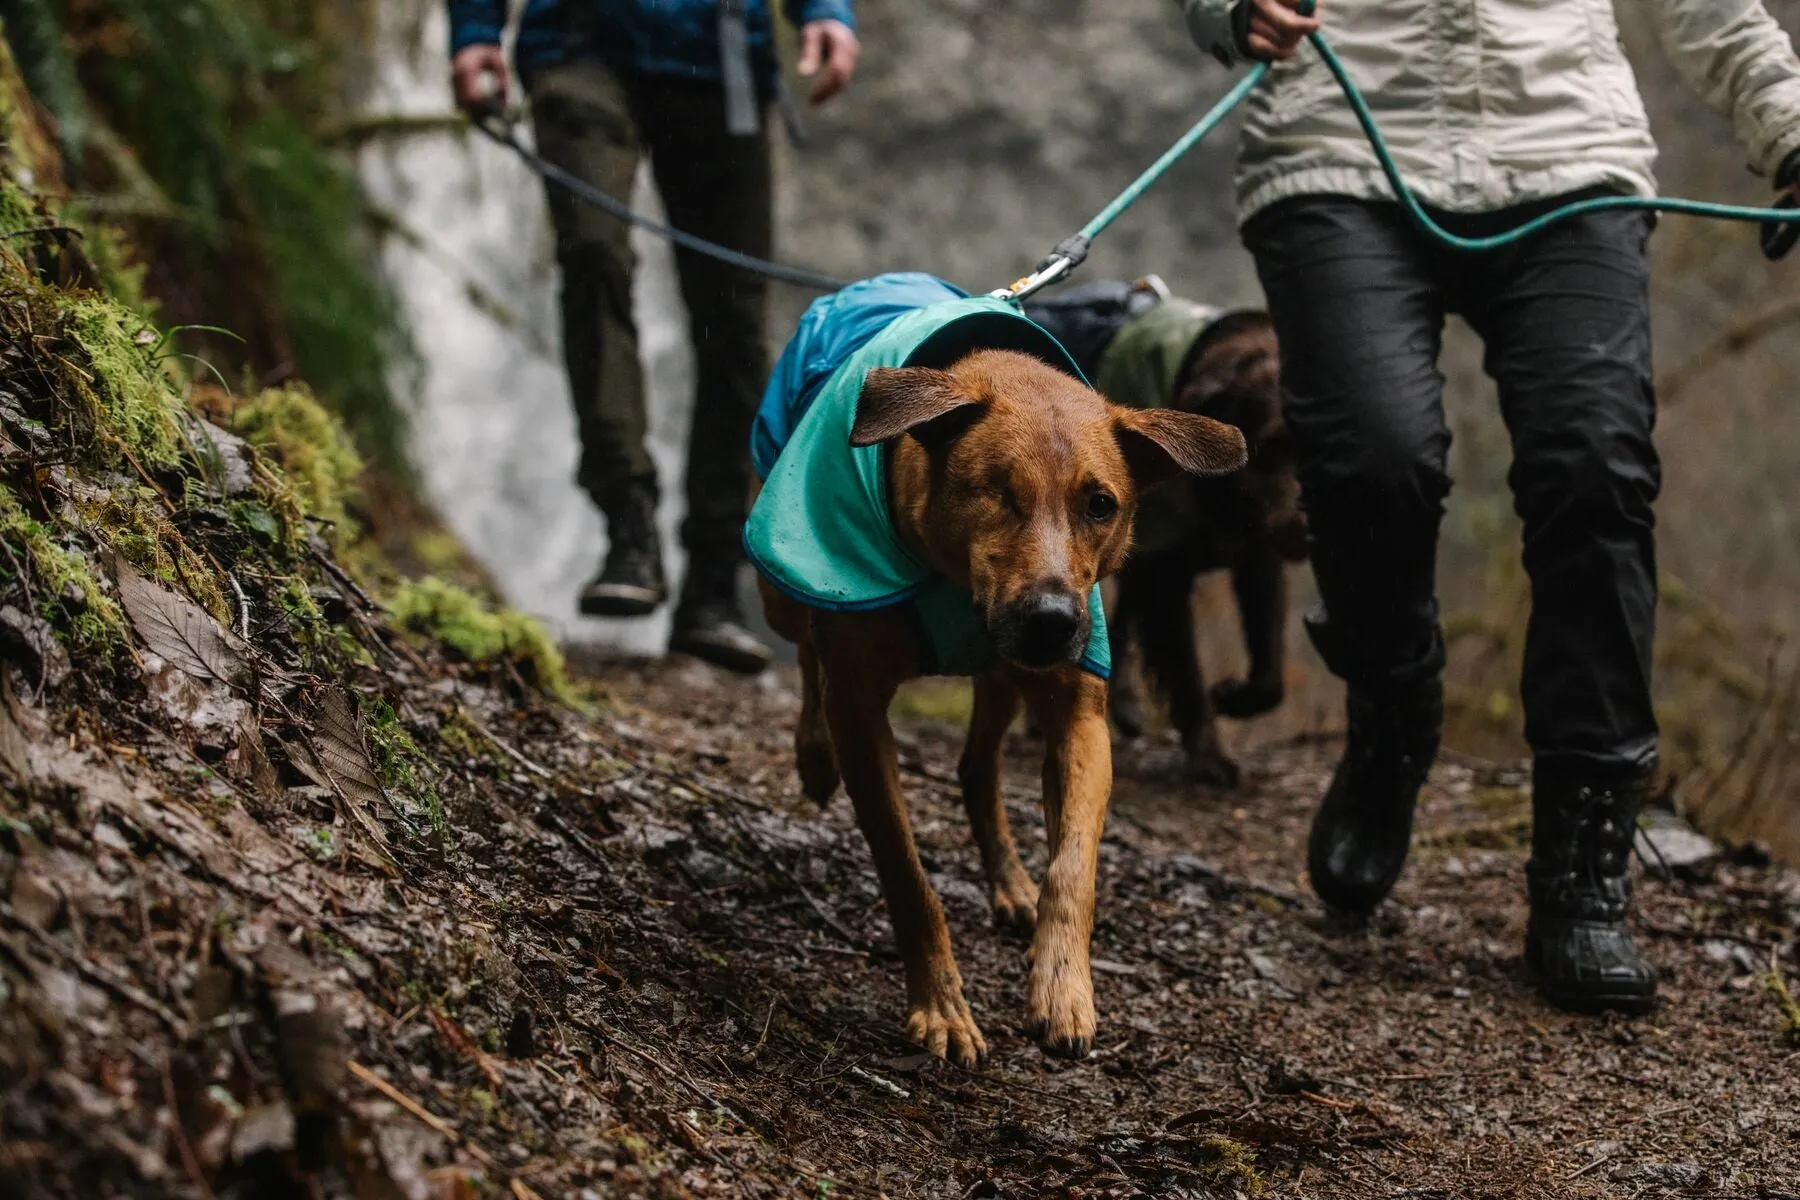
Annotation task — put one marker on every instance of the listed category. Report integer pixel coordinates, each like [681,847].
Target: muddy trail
[321,878]
[634,960]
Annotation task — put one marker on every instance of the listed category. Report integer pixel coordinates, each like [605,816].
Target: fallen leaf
[180,631]
[337,751]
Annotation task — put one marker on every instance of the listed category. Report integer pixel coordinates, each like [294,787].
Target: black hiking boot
[709,624]
[631,583]
[1364,826]
[1579,880]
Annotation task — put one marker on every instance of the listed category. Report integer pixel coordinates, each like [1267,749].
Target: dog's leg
[1077,788]
[1125,691]
[1015,897]
[1259,583]
[814,757]
[1166,624]
[864,664]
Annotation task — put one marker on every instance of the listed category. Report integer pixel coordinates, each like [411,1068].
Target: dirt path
[641,964]
[1409,1059]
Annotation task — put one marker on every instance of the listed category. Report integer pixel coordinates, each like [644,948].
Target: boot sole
[1589,1003]
[737,659]
[620,600]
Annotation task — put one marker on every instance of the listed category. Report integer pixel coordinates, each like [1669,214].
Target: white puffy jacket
[1491,103]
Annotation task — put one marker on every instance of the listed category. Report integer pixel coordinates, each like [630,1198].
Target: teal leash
[1517,234]
[1071,252]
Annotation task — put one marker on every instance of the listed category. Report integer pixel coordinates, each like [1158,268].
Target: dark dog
[991,492]
[1148,350]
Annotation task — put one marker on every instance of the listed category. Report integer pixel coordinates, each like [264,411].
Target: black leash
[496,128]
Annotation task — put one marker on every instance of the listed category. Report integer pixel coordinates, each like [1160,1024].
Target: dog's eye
[1102,506]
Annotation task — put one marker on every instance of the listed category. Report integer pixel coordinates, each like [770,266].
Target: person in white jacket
[1497,111]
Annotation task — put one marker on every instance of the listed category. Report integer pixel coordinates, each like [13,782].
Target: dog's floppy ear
[922,401]
[1158,442]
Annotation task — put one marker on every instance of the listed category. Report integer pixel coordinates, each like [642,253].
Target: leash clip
[1070,253]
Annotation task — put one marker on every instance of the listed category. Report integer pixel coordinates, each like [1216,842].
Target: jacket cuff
[467,33]
[805,12]
[1213,24]
[1788,173]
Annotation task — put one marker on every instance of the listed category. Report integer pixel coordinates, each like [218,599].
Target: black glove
[1240,28]
[1778,237]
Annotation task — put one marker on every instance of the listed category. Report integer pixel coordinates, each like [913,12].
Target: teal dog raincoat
[821,531]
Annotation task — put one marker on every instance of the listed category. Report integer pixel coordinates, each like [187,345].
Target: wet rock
[1735,953]
[29,643]
[207,709]
[1277,973]
[225,458]
[1674,843]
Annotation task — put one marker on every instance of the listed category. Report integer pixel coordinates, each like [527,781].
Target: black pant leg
[1566,320]
[584,123]
[1360,323]
[720,187]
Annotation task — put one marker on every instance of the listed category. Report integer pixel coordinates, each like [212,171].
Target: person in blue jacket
[688,83]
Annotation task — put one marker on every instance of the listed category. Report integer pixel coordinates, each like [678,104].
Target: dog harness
[821,530]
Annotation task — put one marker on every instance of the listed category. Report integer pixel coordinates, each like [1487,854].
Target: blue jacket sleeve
[803,12]
[475,23]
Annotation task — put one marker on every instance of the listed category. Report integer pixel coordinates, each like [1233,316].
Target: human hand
[1274,29]
[470,74]
[832,45]
[1779,237]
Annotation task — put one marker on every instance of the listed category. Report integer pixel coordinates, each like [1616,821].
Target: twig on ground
[505,749]
[423,1114]
[243,606]
[338,573]
[892,1089]
[1601,1161]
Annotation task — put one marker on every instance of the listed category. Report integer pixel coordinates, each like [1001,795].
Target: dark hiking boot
[710,625]
[1364,826]
[631,583]
[1579,880]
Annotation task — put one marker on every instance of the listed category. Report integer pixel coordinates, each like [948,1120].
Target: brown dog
[1011,480]
[1250,524]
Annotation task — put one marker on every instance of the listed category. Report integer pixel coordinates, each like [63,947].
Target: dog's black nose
[1047,624]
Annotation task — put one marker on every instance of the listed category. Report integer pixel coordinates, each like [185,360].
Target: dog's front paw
[1061,1008]
[943,1024]
[1015,903]
[1241,699]
[817,763]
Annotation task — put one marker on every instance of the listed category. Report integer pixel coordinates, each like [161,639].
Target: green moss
[315,453]
[1790,1008]
[131,399]
[132,521]
[1231,1163]
[92,622]
[403,768]
[480,634]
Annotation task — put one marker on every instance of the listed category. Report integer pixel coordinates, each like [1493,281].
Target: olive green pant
[598,124]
